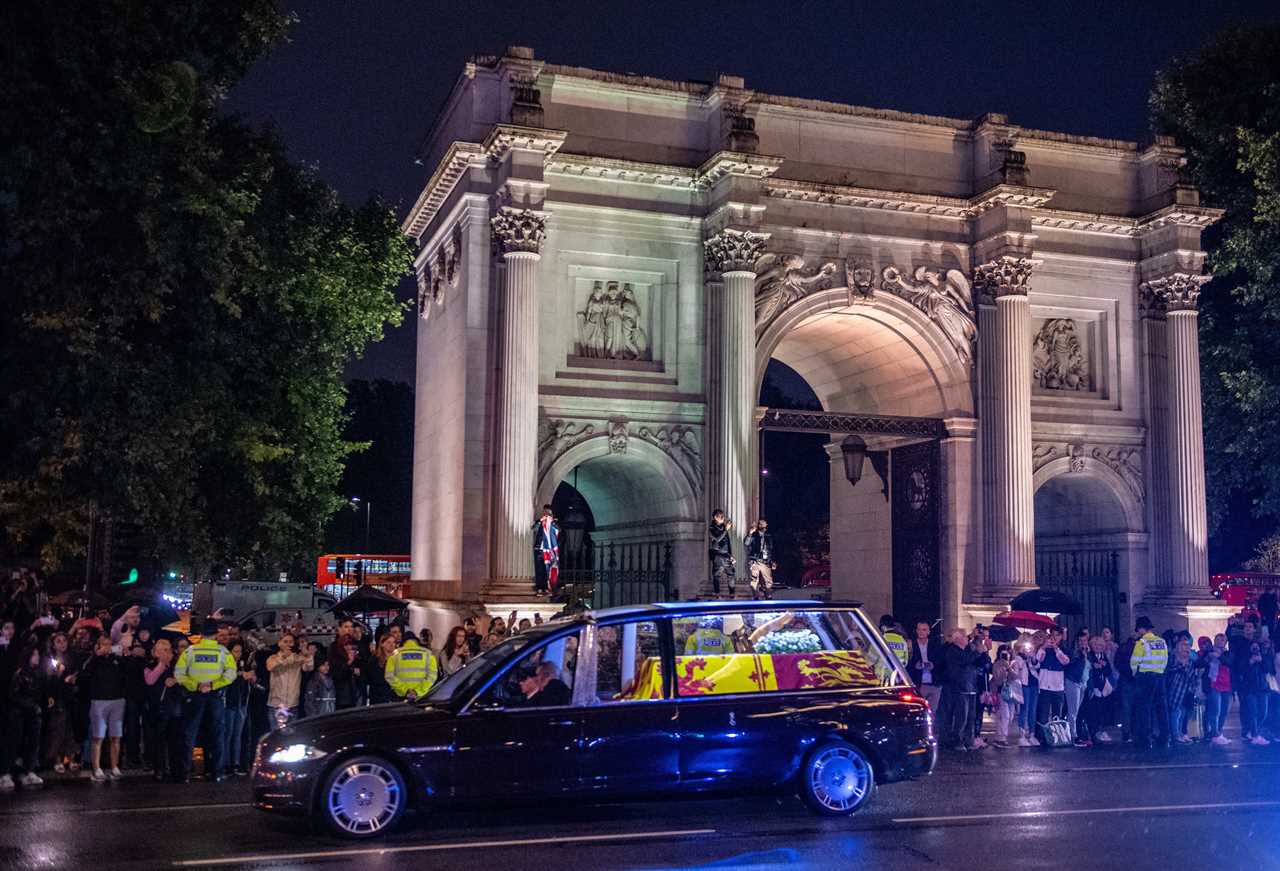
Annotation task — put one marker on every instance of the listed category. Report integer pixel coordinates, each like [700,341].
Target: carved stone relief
[781,279]
[1179,291]
[1124,460]
[1003,276]
[946,299]
[1058,357]
[609,324]
[440,272]
[677,441]
[733,250]
[557,436]
[518,230]
[619,435]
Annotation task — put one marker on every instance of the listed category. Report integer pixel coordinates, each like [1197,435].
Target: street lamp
[354,502]
[855,451]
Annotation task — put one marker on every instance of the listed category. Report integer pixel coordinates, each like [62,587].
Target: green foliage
[179,298]
[1223,105]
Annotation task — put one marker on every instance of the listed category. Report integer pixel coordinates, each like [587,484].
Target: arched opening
[880,359]
[628,511]
[1082,540]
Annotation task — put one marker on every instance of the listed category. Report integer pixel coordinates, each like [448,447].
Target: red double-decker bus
[340,573]
[1242,589]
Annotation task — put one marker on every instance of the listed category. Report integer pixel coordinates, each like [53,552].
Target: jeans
[1075,696]
[1049,705]
[1216,706]
[1250,706]
[1007,716]
[1177,720]
[203,709]
[233,733]
[1030,700]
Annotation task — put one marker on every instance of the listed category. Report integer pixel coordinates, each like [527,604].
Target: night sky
[356,89]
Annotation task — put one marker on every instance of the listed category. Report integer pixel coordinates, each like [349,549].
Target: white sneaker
[31,779]
[116,774]
[59,769]
[6,783]
[1024,741]
[1102,738]
[98,776]
[1226,740]
[1035,742]
[1259,741]
[1220,740]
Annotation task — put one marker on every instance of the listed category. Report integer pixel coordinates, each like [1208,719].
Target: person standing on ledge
[546,553]
[721,552]
[760,564]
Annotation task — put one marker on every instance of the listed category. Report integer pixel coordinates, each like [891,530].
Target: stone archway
[883,356]
[639,495]
[1088,528]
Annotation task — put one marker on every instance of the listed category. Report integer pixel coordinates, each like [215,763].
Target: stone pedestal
[518,234]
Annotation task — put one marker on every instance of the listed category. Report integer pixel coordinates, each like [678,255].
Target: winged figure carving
[781,279]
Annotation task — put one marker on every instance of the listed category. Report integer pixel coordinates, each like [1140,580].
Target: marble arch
[1118,488]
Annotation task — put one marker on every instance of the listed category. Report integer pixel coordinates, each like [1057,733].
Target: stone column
[1006,280]
[1188,526]
[731,372]
[518,234]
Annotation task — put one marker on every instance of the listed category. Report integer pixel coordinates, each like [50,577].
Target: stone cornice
[726,163]
[867,198]
[1084,222]
[614,169]
[1179,215]
[438,188]
[505,137]
[1013,196]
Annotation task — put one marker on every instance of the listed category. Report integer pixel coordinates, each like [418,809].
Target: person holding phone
[1051,703]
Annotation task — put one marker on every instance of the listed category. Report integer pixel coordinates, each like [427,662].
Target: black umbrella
[79,597]
[156,612]
[1046,602]
[370,600]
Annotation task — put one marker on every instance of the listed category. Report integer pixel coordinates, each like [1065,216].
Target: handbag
[1057,733]
[1194,721]
[1272,684]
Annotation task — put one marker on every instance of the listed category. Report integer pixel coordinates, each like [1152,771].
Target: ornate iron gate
[916,496]
[608,574]
[1092,578]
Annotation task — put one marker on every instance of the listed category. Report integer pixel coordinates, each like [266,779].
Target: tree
[1266,557]
[1223,105]
[180,298]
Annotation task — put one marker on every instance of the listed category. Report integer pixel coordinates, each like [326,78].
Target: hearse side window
[778,651]
[628,664]
[541,679]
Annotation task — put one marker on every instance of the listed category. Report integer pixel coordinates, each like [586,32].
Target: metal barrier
[608,574]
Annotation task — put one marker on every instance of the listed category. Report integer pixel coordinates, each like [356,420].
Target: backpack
[1057,733]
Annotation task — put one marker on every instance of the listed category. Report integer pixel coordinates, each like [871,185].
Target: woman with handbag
[1007,678]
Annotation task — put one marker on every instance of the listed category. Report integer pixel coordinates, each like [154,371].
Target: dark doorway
[916,494]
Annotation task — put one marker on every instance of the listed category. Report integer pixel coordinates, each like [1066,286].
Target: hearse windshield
[474,673]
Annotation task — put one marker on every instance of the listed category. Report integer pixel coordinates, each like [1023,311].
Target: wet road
[1110,807]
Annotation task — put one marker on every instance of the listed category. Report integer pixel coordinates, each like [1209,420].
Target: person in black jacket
[28,691]
[924,663]
[960,691]
[760,562]
[721,551]
[103,680]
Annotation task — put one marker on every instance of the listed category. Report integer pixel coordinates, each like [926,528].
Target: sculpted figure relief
[781,279]
[1057,357]
[947,300]
[609,325]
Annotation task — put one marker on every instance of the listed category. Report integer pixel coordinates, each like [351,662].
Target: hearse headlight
[294,753]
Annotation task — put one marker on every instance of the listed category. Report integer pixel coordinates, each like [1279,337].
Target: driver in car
[542,687]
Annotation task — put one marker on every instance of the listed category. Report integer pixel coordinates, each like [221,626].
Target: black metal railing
[607,574]
[1092,578]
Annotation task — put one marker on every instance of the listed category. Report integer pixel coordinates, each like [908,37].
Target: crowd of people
[97,695]
[1045,689]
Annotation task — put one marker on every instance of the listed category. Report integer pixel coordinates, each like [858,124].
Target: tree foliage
[179,298]
[1223,105]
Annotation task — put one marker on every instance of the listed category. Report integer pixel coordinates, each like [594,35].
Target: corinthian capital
[1179,291]
[734,251]
[1003,276]
[518,230]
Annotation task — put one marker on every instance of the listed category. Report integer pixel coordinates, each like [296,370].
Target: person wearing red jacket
[1218,692]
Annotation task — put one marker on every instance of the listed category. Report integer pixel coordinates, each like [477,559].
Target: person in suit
[924,663]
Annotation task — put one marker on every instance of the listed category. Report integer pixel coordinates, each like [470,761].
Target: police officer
[1150,657]
[204,670]
[708,639]
[894,638]
[411,670]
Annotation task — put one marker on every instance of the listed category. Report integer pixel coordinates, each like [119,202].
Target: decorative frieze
[518,230]
[1124,460]
[678,441]
[734,251]
[781,279]
[557,436]
[1058,357]
[609,324]
[1003,276]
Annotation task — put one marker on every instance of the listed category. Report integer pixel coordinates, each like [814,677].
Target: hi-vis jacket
[412,667]
[1150,655]
[206,661]
[898,645]
[707,642]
